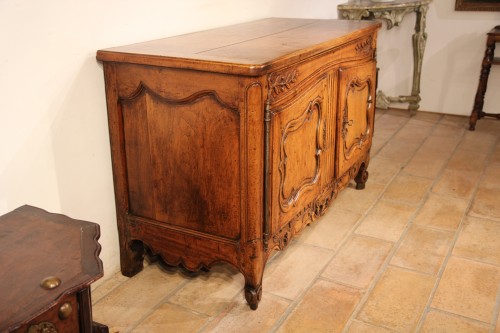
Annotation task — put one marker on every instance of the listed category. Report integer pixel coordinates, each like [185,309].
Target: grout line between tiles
[299,298]
[365,292]
[396,245]
[164,300]
[457,234]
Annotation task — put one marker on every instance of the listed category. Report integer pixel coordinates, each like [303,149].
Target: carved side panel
[183,161]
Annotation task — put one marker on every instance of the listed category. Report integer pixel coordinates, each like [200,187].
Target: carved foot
[361,179]
[132,259]
[253,296]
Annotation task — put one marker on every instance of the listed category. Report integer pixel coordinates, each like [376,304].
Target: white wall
[452,60]
[53,126]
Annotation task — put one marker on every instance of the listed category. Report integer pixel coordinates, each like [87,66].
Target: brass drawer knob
[50,282]
[65,310]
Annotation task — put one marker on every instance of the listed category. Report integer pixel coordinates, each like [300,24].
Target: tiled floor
[417,251]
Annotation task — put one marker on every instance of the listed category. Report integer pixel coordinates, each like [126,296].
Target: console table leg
[419,40]
[393,14]
[483,83]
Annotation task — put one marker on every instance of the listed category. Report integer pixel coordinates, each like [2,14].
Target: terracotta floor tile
[391,121]
[478,141]
[134,298]
[210,292]
[325,308]
[171,318]
[495,155]
[379,113]
[330,229]
[467,160]
[441,212]
[358,201]
[429,178]
[414,133]
[425,118]
[384,134]
[455,121]
[445,130]
[468,288]
[440,322]
[491,177]
[240,318]
[424,165]
[107,286]
[398,300]
[399,151]
[486,203]
[360,327]
[379,141]
[291,272]
[456,183]
[358,261]
[408,188]
[479,240]
[387,220]
[489,125]
[440,146]
[382,170]
[423,249]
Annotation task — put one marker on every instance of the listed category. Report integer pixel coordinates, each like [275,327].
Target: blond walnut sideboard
[227,142]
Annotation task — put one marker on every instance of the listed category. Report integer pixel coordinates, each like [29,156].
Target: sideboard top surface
[249,48]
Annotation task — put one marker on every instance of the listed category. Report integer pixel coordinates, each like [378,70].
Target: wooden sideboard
[227,142]
[48,263]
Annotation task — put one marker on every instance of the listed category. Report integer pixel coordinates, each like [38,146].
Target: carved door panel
[355,114]
[302,142]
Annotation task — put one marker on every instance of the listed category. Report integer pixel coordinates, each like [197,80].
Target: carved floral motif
[44,327]
[365,47]
[281,82]
[318,207]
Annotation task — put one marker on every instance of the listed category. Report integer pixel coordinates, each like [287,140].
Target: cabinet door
[355,115]
[302,141]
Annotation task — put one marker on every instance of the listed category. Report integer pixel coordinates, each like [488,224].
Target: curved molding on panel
[287,200]
[143,89]
[356,85]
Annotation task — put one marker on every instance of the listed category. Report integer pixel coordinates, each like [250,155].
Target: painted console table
[393,12]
